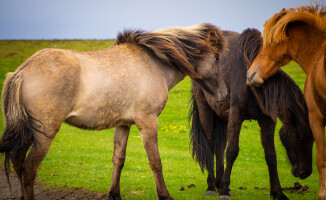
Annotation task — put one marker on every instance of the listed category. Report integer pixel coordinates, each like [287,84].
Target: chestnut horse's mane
[179,47]
[275,28]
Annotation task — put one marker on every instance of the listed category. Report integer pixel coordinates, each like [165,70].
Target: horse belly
[112,93]
[104,101]
[93,117]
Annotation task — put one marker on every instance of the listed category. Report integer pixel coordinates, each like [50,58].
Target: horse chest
[316,85]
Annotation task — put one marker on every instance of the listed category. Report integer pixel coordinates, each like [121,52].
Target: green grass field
[82,159]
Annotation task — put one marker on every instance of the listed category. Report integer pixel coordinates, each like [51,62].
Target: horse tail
[20,125]
[201,151]
[220,138]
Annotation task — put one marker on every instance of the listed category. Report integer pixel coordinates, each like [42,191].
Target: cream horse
[123,85]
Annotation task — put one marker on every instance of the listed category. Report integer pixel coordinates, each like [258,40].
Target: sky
[103,19]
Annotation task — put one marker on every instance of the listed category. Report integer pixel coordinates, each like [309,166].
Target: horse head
[299,150]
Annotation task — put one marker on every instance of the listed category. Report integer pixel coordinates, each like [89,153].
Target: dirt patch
[298,188]
[41,193]
[9,55]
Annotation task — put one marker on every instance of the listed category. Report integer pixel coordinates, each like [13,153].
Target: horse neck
[171,75]
[307,45]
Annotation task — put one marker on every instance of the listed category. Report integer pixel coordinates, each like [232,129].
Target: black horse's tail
[20,125]
[201,151]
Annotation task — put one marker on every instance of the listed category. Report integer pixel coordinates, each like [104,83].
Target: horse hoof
[230,193]
[211,193]
[111,197]
[279,196]
[224,197]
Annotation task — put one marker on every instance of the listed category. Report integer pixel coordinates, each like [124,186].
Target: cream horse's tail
[21,127]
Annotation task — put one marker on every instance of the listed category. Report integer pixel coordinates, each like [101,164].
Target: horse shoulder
[316,86]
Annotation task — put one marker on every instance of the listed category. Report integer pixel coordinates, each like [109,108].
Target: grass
[82,159]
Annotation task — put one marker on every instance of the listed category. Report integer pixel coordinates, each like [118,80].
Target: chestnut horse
[300,35]
[216,123]
[123,85]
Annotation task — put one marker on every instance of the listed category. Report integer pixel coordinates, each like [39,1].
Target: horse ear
[217,41]
[215,38]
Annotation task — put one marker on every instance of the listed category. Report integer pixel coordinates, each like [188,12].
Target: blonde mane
[275,28]
[180,47]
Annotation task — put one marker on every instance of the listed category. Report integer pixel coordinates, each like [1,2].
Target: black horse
[215,124]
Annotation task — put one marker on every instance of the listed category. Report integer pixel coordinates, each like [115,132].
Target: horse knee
[18,161]
[155,166]
[118,161]
[232,153]
[28,171]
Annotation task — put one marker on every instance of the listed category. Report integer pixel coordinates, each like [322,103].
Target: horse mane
[179,47]
[276,27]
[249,45]
[279,96]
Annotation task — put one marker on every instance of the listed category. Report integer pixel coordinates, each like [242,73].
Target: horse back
[95,89]
[127,82]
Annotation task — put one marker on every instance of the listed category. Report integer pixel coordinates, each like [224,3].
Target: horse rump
[21,127]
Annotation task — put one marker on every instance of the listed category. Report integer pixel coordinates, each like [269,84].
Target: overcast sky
[102,19]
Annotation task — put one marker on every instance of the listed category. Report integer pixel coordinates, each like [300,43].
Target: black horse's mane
[279,96]
[249,45]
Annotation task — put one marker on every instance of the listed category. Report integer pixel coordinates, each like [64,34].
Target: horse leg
[318,129]
[319,134]
[120,144]
[219,152]
[267,126]
[17,163]
[317,124]
[233,129]
[148,127]
[31,164]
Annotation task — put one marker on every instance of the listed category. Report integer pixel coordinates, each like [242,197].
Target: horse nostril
[305,173]
[295,172]
[253,79]
[250,76]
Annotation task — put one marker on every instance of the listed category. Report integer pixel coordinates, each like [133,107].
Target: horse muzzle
[253,79]
[301,173]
